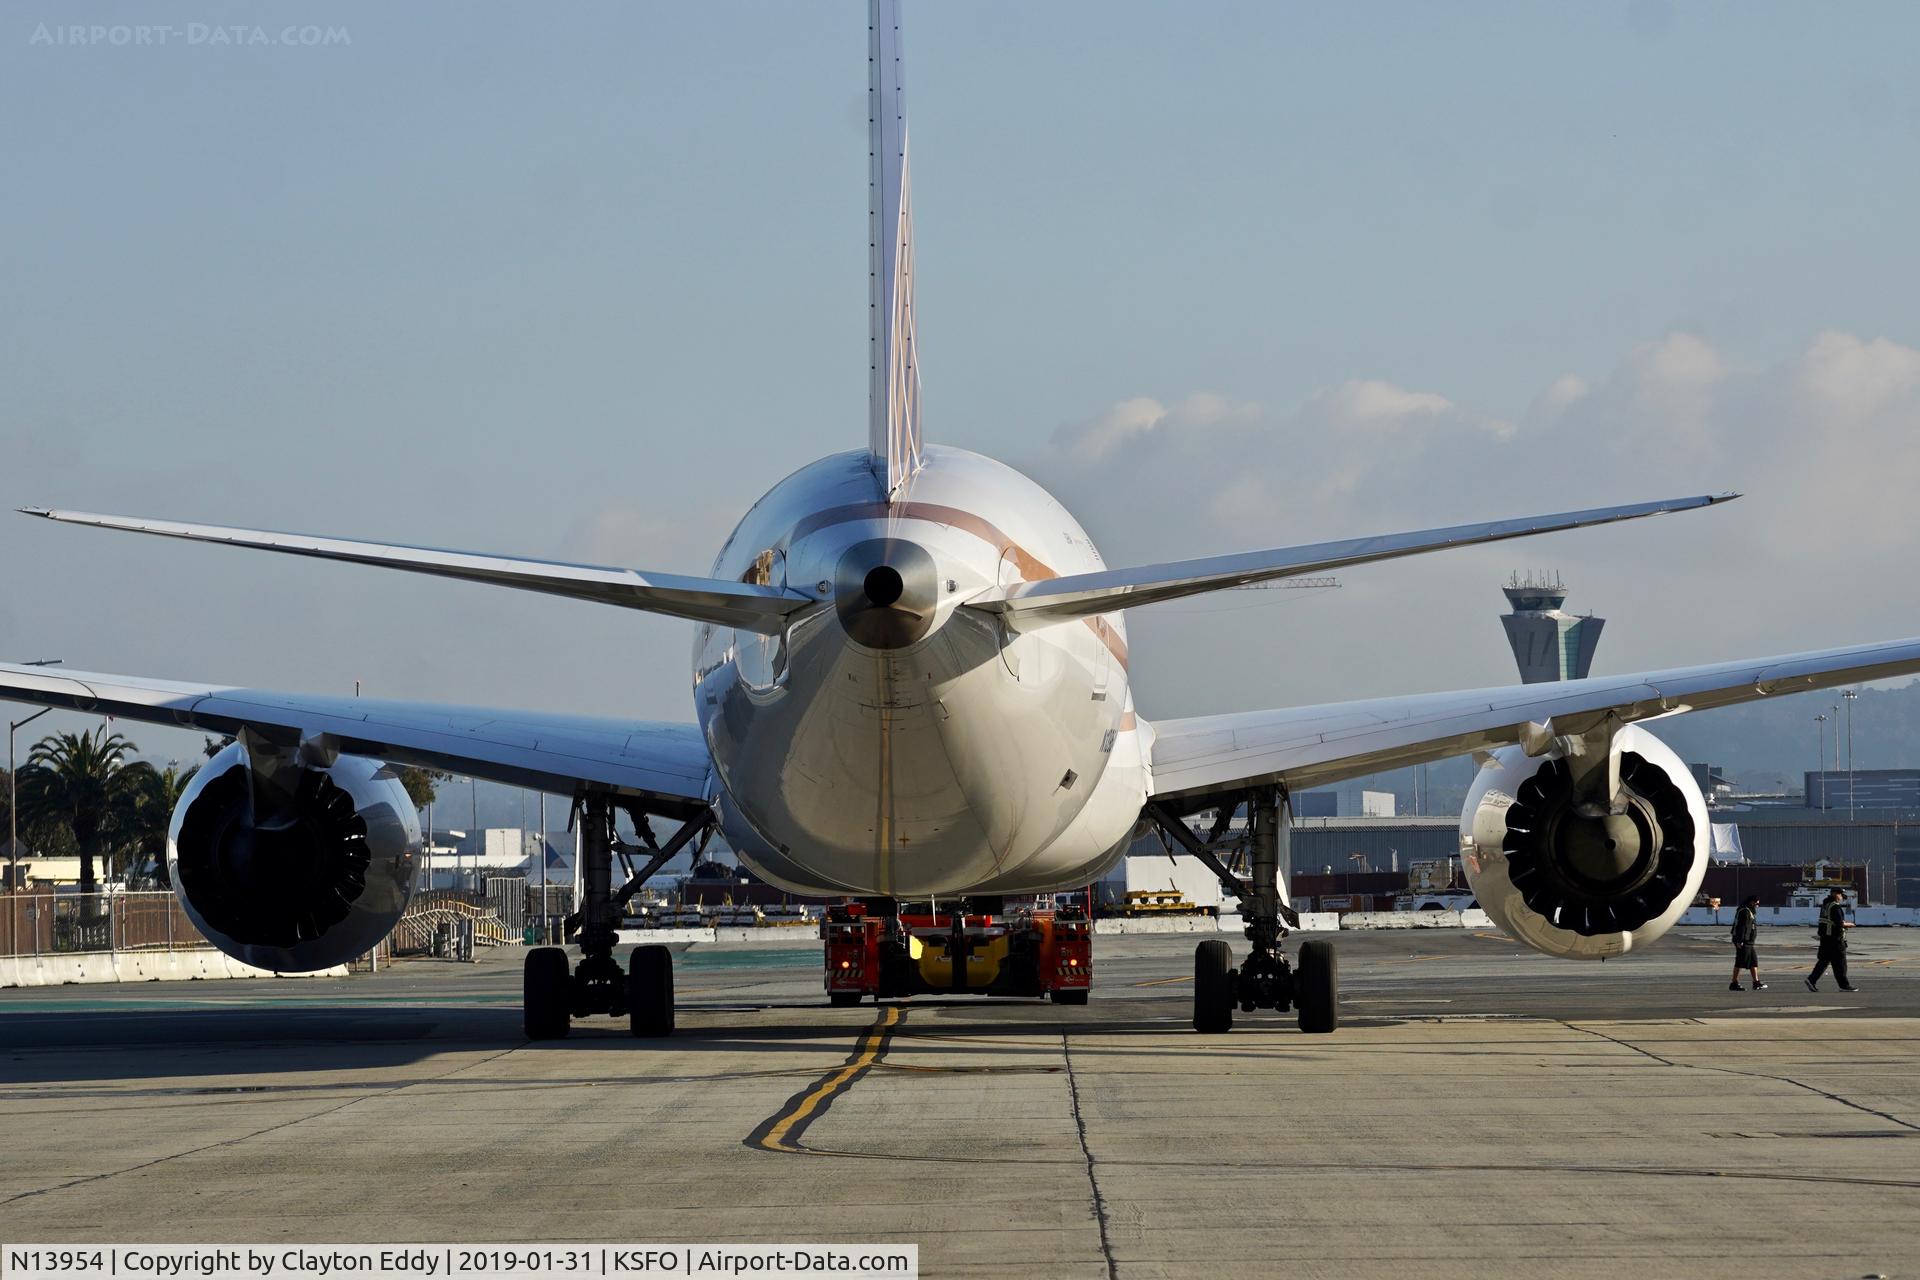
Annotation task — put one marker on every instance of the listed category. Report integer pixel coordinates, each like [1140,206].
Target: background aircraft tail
[893,433]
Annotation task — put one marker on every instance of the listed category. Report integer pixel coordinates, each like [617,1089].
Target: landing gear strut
[1266,980]
[643,994]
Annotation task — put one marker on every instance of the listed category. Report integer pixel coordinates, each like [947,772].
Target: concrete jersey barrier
[1804,917]
[778,935]
[135,966]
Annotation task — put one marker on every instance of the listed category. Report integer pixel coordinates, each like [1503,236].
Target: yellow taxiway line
[782,1131]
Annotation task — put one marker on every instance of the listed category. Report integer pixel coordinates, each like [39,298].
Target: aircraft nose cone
[885,591]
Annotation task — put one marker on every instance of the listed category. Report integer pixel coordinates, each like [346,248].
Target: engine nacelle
[297,866]
[1585,887]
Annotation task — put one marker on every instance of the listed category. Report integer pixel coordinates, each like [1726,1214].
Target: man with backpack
[1833,942]
[1746,931]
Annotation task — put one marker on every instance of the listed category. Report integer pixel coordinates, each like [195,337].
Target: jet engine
[296,859]
[1588,847]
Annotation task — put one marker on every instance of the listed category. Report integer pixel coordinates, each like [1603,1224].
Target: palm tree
[156,794]
[84,781]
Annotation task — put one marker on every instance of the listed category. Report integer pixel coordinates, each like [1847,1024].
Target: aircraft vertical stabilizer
[893,433]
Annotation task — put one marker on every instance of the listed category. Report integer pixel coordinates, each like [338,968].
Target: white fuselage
[920,749]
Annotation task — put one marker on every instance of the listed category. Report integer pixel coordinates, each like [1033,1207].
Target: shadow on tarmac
[151,1033]
[69,1046]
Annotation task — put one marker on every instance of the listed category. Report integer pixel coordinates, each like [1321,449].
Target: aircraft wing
[1312,746]
[731,604]
[1081,595]
[521,748]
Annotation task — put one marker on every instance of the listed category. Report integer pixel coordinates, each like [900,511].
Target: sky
[584,284]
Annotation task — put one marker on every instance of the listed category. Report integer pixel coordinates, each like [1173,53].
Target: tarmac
[1482,1111]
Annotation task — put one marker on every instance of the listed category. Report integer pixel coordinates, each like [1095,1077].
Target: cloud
[1677,382]
[663,539]
[1563,391]
[1096,437]
[1833,424]
[1847,441]
[1129,420]
[1855,379]
[1827,439]
[1238,467]
[1825,443]
[1376,403]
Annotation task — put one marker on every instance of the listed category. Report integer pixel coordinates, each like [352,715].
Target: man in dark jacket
[1746,932]
[1833,942]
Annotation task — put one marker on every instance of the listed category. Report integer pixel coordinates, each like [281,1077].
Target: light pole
[1820,727]
[1849,695]
[1846,842]
[543,868]
[13,779]
[1836,737]
[13,794]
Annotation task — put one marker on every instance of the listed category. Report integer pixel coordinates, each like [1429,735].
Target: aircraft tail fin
[893,431]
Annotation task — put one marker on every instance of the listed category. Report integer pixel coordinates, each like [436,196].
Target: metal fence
[37,924]
[449,923]
[547,911]
[437,922]
[508,897]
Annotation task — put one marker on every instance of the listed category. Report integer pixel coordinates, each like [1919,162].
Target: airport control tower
[1548,642]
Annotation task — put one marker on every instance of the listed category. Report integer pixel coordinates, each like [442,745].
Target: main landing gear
[1310,986]
[555,992]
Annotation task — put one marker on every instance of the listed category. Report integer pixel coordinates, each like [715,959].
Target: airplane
[911,685]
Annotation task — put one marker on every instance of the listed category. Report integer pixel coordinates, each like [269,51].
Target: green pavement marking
[363,990]
[106,1006]
[342,1002]
[757,959]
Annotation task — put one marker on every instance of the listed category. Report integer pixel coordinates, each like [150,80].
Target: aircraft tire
[546,993]
[1317,987]
[1213,987]
[650,991]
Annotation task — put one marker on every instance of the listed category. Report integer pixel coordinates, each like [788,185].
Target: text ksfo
[721,1261]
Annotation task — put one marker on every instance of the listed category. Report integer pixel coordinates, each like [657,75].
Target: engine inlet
[1606,874]
[279,880]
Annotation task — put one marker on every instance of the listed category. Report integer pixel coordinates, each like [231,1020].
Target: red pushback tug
[875,949]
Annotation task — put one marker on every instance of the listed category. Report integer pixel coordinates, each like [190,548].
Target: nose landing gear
[1266,980]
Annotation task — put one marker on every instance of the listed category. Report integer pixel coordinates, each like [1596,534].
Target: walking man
[1746,931]
[1833,942]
